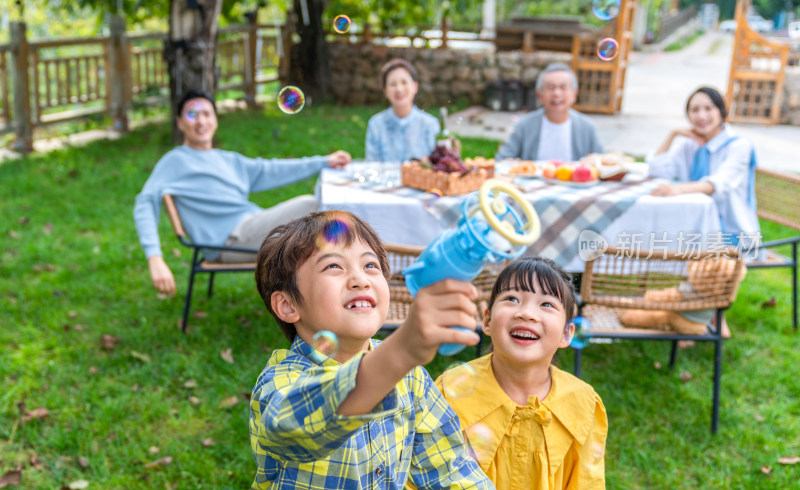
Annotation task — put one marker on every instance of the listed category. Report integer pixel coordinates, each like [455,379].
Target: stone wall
[790,113]
[445,75]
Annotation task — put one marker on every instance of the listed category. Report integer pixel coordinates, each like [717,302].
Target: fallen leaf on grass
[23,220]
[108,342]
[37,413]
[190,383]
[200,314]
[13,477]
[166,460]
[13,234]
[244,321]
[770,303]
[72,313]
[208,442]
[34,461]
[766,470]
[78,326]
[176,252]
[229,402]
[154,450]
[759,417]
[140,356]
[83,462]
[789,459]
[162,296]
[194,400]
[77,485]
[686,376]
[47,228]
[43,267]
[657,365]
[93,370]
[226,355]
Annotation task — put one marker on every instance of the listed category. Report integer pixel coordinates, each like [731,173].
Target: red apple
[582,173]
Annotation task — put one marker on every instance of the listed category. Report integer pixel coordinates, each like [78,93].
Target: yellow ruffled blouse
[555,443]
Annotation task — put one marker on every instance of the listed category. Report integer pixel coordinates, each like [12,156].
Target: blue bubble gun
[490,229]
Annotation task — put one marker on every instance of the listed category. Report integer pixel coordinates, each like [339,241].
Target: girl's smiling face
[527,327]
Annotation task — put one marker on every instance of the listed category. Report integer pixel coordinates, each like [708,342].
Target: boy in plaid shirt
[370,416]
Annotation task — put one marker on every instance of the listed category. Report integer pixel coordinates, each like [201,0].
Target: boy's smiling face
[344,291]
[527,327]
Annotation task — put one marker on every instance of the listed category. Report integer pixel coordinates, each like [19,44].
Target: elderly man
[555,131]
[211,189]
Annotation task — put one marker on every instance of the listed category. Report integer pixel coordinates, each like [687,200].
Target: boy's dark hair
[394,64]
[194,94]
[289,246]
[716,99]
[524,274]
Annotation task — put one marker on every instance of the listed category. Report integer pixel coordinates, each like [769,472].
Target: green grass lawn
[71,271]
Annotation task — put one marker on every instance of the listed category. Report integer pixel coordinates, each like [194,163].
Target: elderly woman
[402,131]
[710,158]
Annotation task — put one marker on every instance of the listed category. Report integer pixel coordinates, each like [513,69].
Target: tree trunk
[191,49]
[310,66]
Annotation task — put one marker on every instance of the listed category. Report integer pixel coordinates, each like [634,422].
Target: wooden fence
[51,81]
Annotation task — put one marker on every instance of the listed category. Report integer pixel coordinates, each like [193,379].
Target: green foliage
[71,270]
[392,13]
[683,42]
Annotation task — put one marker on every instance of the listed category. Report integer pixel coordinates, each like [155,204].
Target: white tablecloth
[410,217]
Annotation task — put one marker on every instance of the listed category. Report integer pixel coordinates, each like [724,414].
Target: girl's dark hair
[530,273]
[395,64]
[716,99]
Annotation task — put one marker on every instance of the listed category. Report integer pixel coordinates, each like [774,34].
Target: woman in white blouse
[710,158]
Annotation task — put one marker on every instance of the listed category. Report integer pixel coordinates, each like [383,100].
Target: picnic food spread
[445,172]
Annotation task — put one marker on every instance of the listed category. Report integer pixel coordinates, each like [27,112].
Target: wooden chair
[199,264]
[778,197]
[402,256]
[620,280]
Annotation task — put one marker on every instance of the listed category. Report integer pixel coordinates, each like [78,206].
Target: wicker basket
[447,184]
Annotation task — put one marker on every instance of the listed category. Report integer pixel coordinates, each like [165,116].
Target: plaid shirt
[299,441]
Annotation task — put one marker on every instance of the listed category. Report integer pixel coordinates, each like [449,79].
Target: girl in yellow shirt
[529,424]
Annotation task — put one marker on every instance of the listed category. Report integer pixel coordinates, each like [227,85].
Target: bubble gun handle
[461,252]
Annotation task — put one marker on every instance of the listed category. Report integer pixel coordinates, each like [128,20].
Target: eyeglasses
[552,88]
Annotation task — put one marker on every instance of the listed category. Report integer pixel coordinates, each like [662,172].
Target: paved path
[657,84]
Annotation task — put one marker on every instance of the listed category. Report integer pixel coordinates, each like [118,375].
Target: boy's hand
[437,307]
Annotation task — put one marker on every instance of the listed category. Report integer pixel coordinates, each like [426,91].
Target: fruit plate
[570,183]
[504,167]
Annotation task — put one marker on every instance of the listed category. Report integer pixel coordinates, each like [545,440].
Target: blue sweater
[392,139]
[211,190]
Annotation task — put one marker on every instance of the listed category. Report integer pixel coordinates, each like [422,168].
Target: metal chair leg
[188,303]
[673,353]
[578,355]
[717,376]
[210,284]
[794,286]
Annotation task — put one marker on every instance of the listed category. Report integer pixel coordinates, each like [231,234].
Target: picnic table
[573,219]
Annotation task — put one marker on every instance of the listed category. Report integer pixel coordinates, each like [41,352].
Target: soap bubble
[459,380]
[605,9]
[192,110]
[595,463]
[581,337]
[607,49]
[333,232]
[325,344]
[341,24]
[291,100]
[479,439]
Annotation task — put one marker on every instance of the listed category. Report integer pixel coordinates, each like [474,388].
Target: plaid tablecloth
[412,217]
